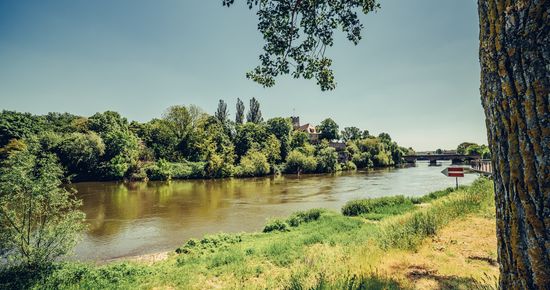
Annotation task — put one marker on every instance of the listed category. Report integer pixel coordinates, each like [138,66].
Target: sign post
[454,172]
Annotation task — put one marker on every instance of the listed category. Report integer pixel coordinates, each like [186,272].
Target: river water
[128,219]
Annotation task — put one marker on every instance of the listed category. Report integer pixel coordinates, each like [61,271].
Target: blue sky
[414,75]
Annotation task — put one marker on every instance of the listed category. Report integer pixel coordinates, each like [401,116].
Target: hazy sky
[414,75]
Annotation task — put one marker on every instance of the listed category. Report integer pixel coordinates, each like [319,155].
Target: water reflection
[137,218]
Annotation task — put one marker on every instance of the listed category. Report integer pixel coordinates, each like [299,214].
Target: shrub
[164,170]
[327,160]
[304,217]
[362,160]
[254,163]
[375,205]
[349,165]
[40,220]
[161,170]
[276,225]
[298,162]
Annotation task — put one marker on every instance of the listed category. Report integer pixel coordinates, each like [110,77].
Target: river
[128,219]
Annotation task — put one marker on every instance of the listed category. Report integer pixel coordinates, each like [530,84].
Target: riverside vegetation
[189,143]
[314,249]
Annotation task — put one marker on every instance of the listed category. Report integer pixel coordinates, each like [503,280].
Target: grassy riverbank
[313,249]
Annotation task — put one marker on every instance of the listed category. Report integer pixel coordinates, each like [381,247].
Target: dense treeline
[186,142]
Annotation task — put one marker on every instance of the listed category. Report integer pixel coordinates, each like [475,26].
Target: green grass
[378,208]
[315,249]
[409,230]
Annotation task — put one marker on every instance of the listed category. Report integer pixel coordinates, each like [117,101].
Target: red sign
[453,171]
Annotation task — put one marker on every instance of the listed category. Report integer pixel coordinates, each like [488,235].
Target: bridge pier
[433,161]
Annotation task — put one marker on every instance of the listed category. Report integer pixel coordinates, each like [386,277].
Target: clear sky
[414,75]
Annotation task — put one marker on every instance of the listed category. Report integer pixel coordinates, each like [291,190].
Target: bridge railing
[482,166]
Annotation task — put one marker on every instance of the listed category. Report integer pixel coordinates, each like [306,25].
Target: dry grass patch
[462,255]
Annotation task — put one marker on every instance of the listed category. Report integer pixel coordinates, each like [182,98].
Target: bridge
[433,158]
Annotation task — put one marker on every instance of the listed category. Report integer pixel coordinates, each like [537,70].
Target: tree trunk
[515,92]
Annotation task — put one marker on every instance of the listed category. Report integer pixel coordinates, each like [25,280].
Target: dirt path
[462,256]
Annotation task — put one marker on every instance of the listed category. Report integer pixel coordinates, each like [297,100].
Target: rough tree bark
[515,92]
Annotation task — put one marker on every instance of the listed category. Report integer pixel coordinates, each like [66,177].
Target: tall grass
[378,208]
[408,231]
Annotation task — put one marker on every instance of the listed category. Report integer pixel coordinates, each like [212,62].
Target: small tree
[39,219]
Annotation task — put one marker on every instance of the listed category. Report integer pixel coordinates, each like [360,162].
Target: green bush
[304,217]
[254,163]
[276,225]
[164,170]
[362,160]
[327,160]
[161,170]
[376,205]
[349,165]
[298,162]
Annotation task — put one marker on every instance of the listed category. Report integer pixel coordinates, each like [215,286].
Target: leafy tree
[297,33]
[221,112]
[216,148]
[365,134]
[327,159]
[121,153]
[61,122]
[299,139]
[249,135]
[382,159]
[239,116]
[385,137]
[351,133]
[254,114]
[461,149]
[108,121]
[271,148]
[15,125]
[439,151]
[161,139]
[282,129]
[180,121]
[13,146]
[362,160]
[299,162]
[39,218]
[328,130]
[81,153]
[254,163]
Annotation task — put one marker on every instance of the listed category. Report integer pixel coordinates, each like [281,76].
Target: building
[307,128]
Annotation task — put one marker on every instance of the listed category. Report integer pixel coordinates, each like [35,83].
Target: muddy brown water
[129,219]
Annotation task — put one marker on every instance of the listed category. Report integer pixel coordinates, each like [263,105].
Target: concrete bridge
[433,158]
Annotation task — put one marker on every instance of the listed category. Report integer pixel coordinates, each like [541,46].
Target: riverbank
[158,216]
[319,248]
